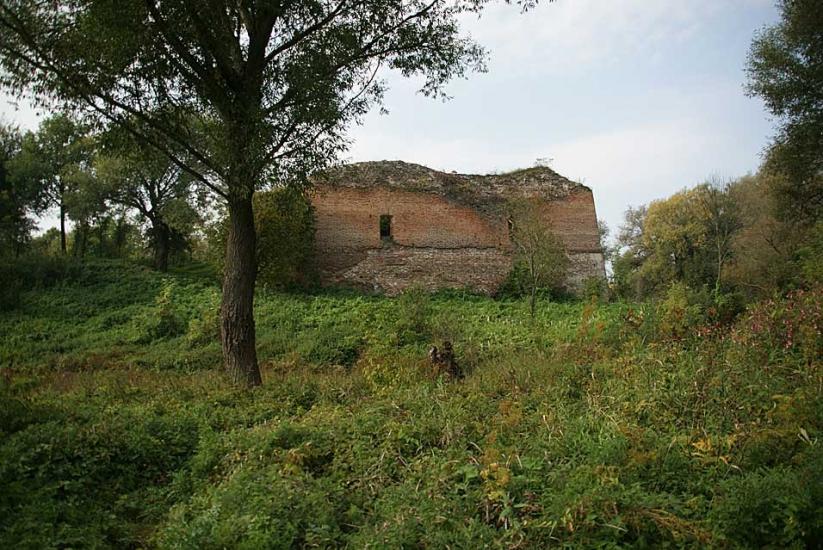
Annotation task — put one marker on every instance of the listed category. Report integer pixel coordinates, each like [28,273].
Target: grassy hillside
[593,425]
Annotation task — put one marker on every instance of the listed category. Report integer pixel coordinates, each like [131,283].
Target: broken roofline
[537,182]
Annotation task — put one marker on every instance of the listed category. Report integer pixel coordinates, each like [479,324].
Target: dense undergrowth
[595,425]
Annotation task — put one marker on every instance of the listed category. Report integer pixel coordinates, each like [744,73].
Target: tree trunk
[120,236]
[101,238]
[237,308]
[80,237]
[162,238]
[62,227]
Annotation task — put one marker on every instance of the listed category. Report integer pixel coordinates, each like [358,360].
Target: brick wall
[435,241]
[574,220]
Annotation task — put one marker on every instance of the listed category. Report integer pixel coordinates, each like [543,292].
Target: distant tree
[764,247]
[603,233]
[59,147]
[630,233]
[85,201]
[47,243]
[785,68]
[629,253]
[721,214]
[538,252]
[143,179]
[279,82]
[675,238]
[686,238]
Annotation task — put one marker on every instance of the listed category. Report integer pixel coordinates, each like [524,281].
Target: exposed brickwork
[394,268]
[447,230]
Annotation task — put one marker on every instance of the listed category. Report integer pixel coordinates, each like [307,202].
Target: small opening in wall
[385,227]
[510,224]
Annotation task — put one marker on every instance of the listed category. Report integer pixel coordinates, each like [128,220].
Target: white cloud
[634,165]
[682,138]
[578,35]
[630,141]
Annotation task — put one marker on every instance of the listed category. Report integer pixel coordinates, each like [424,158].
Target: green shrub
[768,508]
[260,508]
[515,285]
[10,288]
[69,485]
[679,313]
[204,327]
[330,344]
[810,256]
[284,219]
[790,325]
[163,320]
[595,288]
[37,272]
[414,310]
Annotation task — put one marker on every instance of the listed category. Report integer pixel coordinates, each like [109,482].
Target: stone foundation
[392,269]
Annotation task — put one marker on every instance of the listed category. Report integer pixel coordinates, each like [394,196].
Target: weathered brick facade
[446,230]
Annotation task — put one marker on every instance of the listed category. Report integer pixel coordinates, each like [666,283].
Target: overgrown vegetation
[593,425]
[540,259]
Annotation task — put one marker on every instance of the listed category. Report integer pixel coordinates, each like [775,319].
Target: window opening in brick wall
[385,227]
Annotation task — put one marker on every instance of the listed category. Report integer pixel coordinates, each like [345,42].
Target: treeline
[116,197]
[732,241]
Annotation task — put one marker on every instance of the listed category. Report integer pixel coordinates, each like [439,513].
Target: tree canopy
[53,159]
[18,197]
[138,177]
[785,69]
[279,81]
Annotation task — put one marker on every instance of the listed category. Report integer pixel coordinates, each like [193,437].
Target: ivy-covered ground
[593,425]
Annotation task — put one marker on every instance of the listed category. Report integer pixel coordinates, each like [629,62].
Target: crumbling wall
[436,241]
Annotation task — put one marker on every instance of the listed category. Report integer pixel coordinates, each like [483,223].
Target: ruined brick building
[385,226]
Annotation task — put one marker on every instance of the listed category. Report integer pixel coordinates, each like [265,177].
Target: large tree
[721,216]
[277,81]
[50,155]
[18,196]
[686,238]
[785,68]
[86,205]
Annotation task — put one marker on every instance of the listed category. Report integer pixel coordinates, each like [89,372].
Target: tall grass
[593,425]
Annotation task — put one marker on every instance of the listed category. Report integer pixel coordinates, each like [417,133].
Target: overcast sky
[635,98]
